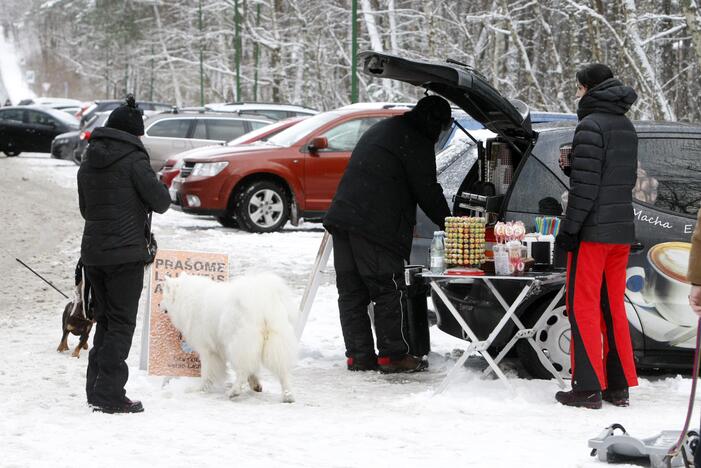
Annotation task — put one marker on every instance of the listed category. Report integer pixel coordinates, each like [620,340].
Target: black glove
[567,241]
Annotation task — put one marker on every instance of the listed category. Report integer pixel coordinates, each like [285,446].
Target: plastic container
[438,252]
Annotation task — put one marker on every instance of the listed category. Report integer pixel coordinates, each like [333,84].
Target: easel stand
[322,258]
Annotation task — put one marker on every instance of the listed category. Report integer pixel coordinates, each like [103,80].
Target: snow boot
[404,364]
[125,406]
[362,363]
[617,397]
[580,399]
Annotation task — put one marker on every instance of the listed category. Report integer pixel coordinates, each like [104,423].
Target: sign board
[168,353]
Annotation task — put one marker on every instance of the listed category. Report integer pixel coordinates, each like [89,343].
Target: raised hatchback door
[461,85]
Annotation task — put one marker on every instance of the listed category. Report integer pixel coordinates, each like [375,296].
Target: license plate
[173,195]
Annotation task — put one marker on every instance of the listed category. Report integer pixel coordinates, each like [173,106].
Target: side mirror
[318,143]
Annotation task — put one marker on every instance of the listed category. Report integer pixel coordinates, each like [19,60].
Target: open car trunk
[487,185]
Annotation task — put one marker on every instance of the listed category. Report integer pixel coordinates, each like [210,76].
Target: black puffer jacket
[116,189]
[604,166]
[391,169]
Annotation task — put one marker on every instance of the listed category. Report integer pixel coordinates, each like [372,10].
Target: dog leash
[44,279]
[674,451]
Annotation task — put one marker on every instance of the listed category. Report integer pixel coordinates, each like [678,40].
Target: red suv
[294,174]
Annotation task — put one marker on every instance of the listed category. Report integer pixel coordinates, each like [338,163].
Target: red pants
[601,351]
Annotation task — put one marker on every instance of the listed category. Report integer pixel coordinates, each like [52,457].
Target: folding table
[532,283]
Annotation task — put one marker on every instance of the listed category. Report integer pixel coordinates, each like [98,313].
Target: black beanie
[127,117]
[594,74]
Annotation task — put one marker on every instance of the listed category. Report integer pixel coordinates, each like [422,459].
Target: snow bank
[10,72]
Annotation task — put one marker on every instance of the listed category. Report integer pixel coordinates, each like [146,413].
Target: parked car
[294,174]
[172,166]
[87,110]
[270,110]
[64,104]
[168,134]
[666,199]
[72,145]
[32,128]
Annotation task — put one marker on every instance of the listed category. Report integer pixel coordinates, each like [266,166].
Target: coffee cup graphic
[666,286]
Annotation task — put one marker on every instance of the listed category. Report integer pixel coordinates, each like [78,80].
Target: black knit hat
[594,74]
[127,117]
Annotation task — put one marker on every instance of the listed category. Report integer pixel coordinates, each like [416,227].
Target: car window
[40,118]
[537,190]
[161,107]
[669,174]
[171,128]
[343,137]
[453,164]
[224,129]
[200,130]
[256,125]
[296,132]
[11,115]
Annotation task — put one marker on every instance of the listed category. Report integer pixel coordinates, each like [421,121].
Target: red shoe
[405,364]
[365,363]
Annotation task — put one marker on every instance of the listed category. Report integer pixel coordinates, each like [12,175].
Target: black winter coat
[604,167]
[117,188]
[391,170]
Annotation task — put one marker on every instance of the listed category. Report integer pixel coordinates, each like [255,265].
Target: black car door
[40,130]
[667,197]
[11,130]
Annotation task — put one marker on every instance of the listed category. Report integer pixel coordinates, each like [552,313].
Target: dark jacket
[604,166]
[117,188]
[391,170]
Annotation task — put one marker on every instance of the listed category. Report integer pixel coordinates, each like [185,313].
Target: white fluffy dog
[248,321]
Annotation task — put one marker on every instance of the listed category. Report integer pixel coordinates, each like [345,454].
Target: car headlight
[209,169]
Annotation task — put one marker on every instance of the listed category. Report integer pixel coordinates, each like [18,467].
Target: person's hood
[109,145]
[610,97]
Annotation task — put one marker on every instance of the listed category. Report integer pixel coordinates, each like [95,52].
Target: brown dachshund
[74,321]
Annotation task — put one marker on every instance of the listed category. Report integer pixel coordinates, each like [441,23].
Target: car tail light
[85,135]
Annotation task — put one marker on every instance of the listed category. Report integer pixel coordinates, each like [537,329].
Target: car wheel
[262,206]
[228,221]
[11,154]
[552,336]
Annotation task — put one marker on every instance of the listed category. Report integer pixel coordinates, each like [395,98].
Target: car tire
[11,154]
[228,221]
[552,337]
[262,206]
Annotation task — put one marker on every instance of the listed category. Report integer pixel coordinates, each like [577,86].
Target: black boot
[403,364]
[617,397]
[580,399]
[125,406]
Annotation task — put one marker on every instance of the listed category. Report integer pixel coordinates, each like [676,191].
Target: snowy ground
[340,419]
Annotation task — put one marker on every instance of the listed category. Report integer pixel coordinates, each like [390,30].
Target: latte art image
[672,259]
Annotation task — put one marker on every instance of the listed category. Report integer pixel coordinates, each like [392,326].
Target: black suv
[667,197]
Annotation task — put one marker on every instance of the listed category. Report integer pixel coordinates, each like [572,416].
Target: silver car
[168,134]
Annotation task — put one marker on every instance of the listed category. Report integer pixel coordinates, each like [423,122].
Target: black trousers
[367,272]
[116,290]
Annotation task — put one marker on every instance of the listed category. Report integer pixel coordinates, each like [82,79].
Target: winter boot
[125,406]
[362,363]
[617,397]
[583,399]
[403,364]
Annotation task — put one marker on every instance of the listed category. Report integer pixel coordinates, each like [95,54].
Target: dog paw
[287,397]
[234,392]
[76,353]
[254,383]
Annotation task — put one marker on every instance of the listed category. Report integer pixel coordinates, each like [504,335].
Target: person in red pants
[597,232]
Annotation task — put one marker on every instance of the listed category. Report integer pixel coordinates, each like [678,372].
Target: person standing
[597,232]
[117,189]
[371,218]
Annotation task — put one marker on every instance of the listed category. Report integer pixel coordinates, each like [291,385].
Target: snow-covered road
[340,419]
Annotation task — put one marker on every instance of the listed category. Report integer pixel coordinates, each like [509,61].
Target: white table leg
[474,342]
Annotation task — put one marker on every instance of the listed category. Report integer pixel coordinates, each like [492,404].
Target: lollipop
[519,230]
